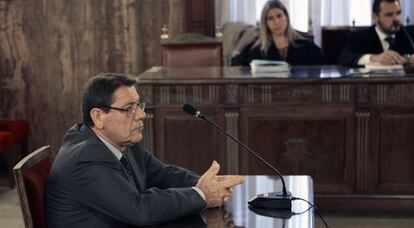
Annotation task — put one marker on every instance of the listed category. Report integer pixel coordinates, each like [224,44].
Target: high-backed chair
[334,40]
[31,175]
[192,50]
[236,36]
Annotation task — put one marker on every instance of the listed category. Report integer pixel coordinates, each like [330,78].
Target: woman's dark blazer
[303,53]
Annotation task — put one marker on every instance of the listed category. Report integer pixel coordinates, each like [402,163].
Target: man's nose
[139,115]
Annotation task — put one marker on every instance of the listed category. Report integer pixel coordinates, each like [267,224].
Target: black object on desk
[272,201]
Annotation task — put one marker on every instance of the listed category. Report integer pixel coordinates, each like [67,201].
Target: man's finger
[224,177]
[212,171]
[230,182]
[397,58]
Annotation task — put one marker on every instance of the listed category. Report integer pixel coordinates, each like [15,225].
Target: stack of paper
[269,68]
[373,67]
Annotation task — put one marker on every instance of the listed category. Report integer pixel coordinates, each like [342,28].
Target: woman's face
[276,21]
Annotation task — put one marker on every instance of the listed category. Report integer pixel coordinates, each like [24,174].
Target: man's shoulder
[81,143]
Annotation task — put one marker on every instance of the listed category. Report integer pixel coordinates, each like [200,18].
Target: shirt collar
[381,34]
[114,150]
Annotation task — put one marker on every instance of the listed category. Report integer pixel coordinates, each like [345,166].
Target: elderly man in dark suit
[103,178]
[385,42]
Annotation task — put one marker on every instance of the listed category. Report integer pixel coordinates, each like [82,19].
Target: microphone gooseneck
[275,201]
[410,40]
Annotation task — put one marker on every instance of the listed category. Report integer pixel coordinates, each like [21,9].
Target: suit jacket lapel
[107,155]
[376,42]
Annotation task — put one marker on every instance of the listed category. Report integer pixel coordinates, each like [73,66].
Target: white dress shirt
[366,59]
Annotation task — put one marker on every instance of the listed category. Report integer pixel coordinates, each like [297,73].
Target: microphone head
[188,108]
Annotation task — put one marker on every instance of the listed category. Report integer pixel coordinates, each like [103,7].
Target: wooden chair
[31,175]
[192,49]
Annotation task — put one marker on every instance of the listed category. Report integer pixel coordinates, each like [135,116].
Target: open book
[269,68]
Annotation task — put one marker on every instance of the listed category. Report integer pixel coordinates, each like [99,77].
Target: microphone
[272,200]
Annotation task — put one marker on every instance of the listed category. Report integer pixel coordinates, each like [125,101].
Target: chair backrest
[236,36]
[192,54]
[31,175]
[334,40]
[192,49]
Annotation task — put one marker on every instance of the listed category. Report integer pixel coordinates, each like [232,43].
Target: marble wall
[50,48]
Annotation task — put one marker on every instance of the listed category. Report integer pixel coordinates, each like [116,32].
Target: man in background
[102,177]
[384,43]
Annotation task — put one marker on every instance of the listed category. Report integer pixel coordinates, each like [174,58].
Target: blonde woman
[279,41]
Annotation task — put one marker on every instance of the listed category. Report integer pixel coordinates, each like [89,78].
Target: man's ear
[97,117]
[375,18]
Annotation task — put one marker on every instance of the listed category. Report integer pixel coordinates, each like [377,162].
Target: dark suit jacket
[305,53]
[88,187]
[367,42]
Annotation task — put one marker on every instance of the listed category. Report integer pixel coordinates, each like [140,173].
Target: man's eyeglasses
[130,111]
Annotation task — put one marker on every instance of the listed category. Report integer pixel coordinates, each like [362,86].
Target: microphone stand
[408,37]
[272,200]
[408,67]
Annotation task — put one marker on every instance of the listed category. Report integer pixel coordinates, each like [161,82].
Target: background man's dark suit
[97,192]
[367,42]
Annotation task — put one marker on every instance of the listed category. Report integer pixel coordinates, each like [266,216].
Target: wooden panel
[50,48]
[395,153]
[189,142]
[200,16]
[352,135]
[198,11]
[302,142]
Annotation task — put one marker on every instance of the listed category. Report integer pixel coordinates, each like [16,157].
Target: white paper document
[270,68]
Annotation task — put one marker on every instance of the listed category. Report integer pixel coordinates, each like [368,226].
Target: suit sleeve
[350,54]
[250,52]
[165,176]
[102,187]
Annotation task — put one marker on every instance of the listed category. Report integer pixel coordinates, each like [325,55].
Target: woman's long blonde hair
[265,36]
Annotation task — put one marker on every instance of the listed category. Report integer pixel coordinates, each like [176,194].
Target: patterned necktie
[390,40]
[127,165]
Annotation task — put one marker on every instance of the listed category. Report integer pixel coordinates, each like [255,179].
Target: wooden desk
[353,135]
[236,211]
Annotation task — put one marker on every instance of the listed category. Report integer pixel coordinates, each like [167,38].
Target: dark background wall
[50,48]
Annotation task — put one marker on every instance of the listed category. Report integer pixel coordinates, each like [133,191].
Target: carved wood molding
[232,94]
[232,118]
[148,134]
[362,147]
[326,93]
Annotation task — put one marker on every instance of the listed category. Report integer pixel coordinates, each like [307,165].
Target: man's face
[120,128]
[389,17]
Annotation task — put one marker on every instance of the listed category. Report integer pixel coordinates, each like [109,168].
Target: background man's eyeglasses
[132,110]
